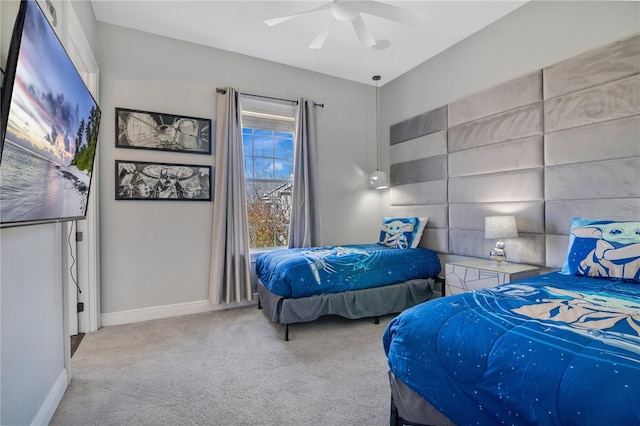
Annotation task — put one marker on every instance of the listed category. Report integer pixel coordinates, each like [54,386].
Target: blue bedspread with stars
[549,350]
[302,272]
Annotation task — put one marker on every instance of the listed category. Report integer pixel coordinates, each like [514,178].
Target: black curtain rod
[223,91]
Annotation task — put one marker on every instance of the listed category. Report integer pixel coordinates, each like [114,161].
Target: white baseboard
[166,311]
[50,404]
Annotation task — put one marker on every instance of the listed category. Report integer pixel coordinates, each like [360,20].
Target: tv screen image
[52,124]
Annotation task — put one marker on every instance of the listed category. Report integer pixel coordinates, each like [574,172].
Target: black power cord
[75,281]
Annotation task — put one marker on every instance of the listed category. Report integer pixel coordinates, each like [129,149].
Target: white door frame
[88,249]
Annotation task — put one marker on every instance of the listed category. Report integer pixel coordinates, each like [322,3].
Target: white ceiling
[238,26]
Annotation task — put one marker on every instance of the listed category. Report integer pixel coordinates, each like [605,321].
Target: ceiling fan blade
[393,13]
[322,36]
[279,20]
[365,37]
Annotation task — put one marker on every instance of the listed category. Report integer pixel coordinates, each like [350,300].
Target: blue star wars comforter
[302,272]
[549,350]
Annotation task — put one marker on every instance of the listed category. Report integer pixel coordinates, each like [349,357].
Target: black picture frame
[162,132]
[140,180]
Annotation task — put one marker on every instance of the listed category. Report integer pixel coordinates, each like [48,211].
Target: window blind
[267,114]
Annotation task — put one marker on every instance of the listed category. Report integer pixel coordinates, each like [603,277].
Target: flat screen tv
[49,128]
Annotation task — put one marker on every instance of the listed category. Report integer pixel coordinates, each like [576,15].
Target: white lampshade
[378,180]
[499,227]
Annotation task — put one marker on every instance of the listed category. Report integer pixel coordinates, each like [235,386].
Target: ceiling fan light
[350,11]
[345,10]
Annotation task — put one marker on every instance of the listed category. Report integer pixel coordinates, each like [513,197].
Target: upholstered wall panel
[435,239]
[556,250]
[510,95]
[529,215]
[554,144]
[526,185]
[496,166]
[420,125]
[558,213]
[603,141]
[527,248]
[437,213]
[430,145]
[592,140]
[614,61]
[422,170]
[514,124]
[469,243]
[609,101]
[513,155]
[419,172]
[434,192]
[602,179]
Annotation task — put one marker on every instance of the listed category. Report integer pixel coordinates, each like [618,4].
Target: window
[267,139]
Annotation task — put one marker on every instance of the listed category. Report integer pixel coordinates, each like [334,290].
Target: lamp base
[497,254]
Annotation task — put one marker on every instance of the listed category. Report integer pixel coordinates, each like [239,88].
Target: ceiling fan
[349,11]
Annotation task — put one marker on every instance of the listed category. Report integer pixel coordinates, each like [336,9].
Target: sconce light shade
[378,180]
[500,227]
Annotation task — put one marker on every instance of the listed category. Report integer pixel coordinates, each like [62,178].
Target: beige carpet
[229,367]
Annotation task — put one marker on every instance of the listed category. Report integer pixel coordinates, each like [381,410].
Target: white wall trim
[88,252]
[50,404]
[79,50]
[166,311]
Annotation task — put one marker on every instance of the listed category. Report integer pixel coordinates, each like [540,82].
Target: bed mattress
[303,272]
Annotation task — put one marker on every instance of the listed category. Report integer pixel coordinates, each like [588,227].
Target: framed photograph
[163,132]
[136,180]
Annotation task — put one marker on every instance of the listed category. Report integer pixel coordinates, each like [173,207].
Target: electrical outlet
[79,236]
[80,307]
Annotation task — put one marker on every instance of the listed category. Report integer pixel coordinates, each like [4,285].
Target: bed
[352,281]
[560,348]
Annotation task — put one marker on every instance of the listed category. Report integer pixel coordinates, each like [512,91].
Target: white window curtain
[304,229]
[229,277]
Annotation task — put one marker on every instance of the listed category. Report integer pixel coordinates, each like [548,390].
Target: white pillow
[421,226]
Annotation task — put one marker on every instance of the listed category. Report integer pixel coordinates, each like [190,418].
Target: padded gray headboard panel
[496,167]
[557,143]
[592,140]
[418,175]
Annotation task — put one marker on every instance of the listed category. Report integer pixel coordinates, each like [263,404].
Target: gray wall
[31,321]
[489,89]
[155,255]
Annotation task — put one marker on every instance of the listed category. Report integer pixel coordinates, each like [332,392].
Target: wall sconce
[500,227]
[377,179]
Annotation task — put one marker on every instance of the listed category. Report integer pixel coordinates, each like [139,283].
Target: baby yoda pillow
[399,232]
[604,249]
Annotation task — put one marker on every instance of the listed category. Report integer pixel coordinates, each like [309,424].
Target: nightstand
[478,273]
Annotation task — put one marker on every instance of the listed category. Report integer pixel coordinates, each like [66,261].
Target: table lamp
[499,227]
